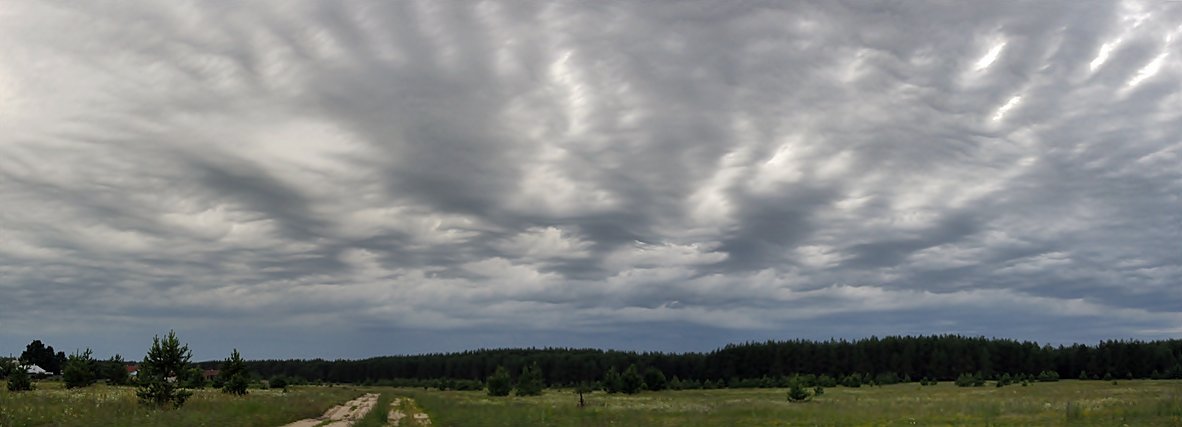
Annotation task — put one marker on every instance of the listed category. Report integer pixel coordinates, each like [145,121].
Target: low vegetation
[1141,403]
[51,404]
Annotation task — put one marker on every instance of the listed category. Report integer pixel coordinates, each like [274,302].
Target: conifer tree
[19,380]
[233,376]
[630,381]
[612,382]
[160,370]
[79,370]
[499,383]
[530,382]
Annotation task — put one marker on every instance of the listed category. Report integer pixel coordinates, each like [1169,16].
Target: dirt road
[400,407]
[341,415]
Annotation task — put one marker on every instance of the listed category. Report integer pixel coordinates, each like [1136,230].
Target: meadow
[52,405]
[1132,402]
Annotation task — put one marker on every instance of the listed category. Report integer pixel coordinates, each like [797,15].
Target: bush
[530,383]
[195,378]
[886,378]
[853,380]
[969,380]
[18,380]
[612,383]
[278,381]
[655,379]
[797,393]
[116,371]
[826,381]
[1048,376]
[498,382]
[630,381]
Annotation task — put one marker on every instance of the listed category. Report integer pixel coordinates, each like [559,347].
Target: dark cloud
[619,174]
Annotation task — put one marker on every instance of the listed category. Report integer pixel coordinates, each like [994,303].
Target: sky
[346,179]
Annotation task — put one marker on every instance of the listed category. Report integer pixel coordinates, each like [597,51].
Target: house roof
[35,370]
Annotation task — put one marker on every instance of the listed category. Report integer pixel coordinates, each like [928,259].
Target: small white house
[35,370]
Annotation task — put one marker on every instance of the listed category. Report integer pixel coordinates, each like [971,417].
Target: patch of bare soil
[397,414]
[341,415]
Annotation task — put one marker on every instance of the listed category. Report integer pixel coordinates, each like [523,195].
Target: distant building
[35,370]
[210,374]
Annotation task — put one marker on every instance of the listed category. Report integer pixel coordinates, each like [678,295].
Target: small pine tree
[1048,376]
[1083,375]
[79,370]
[966,380]
[166,360]
[116,371]
[612,383]
[797,393]
[631,382]
[530,383]
[499,383]
[233,376]
[18,380]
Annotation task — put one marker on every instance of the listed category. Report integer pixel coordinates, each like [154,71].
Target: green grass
[1134,403]
[1140,403]
[51,405]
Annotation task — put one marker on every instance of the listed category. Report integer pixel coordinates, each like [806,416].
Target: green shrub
[278,381]
[631,382]
[79,370]
[1048,376]
[969,380]
[797,393]
[18,380]
[498,382]
[654,379]
[530,383]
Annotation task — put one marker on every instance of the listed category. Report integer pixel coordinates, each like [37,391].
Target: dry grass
[1062,403]
[101,405]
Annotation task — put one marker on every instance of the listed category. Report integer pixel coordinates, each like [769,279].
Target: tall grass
[1143,403]
[102,405]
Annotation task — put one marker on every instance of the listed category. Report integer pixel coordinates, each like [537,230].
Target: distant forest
[759,364]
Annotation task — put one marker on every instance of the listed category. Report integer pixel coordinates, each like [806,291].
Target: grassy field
[1134,403]
[51,405]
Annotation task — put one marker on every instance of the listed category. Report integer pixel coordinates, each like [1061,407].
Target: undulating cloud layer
[348,178]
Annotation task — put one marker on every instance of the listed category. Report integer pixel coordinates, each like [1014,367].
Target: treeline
[754,364]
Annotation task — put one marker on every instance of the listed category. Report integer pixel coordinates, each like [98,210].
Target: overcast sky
[359,178]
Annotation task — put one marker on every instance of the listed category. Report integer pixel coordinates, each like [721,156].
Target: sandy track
[341,415]
[397,415]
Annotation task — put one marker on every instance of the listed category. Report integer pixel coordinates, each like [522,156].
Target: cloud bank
[350,178]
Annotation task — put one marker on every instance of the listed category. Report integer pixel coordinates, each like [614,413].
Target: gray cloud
[432,174]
